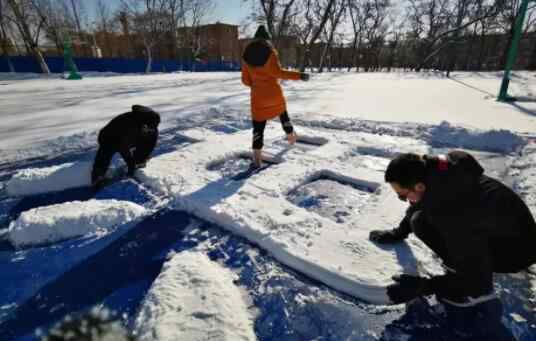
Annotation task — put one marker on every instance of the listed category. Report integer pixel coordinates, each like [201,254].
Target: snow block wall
[50,224]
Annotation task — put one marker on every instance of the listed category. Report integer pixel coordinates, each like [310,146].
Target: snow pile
[502,141]
[33,181]
[193,299]
[55,223]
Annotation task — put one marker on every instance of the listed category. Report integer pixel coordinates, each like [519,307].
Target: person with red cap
[261,71]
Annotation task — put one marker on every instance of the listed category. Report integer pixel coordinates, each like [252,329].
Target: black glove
[304,76]
[385,236]
[408,287]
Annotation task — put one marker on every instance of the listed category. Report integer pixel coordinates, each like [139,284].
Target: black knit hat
[262,33]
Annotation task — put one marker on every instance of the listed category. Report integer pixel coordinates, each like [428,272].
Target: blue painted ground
[40,286]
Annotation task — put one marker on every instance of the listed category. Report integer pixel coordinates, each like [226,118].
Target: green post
[512,53]
[68,60]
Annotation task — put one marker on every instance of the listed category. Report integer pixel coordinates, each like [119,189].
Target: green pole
[512,53]
[68,60]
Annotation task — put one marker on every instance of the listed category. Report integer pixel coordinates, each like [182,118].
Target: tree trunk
[40,60]
[5,48]
[26,34]
[354,53]
[315,36]
[481,52]
[323,58]
[149,52]
[305,58]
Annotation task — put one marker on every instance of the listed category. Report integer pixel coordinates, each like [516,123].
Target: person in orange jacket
[261,71]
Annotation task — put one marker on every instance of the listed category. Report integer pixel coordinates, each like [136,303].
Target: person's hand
[385,236]
[304,76]
[408,287]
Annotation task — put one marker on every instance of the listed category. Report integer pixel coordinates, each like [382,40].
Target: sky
[226,11]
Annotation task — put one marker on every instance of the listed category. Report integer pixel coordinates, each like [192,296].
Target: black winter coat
[485,226]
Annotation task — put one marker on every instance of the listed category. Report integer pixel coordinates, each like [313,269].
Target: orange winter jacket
[261,71]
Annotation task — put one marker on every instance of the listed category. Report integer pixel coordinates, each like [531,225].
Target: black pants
[142,149]
[259,126]
[479,322]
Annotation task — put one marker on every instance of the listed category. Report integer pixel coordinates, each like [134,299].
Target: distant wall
[55,64]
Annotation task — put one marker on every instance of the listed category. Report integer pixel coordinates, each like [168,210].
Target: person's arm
[277,71]
[145,147]
[397,234]
[246,77]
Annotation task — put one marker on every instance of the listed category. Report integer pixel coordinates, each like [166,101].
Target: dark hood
[257,53]
[146,115]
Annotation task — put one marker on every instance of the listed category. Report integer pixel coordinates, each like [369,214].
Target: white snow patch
[194,299]
[33,181]
[50,224]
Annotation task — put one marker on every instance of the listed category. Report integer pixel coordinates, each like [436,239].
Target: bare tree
[309,25]
[29,25]
[358,23]
[148,18]
[177,11]
[334,19]
[507,21]
[450,31]
[278,15]
[4,38]
[194,13]
[56,19]
[105,23]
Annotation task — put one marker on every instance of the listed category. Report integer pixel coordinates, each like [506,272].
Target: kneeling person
[474,223]
[133,135]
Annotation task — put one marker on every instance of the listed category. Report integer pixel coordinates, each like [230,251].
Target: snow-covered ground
[35,112]
[310,212]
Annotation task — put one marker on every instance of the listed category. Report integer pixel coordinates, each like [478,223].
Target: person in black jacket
[475,224]
[133,135]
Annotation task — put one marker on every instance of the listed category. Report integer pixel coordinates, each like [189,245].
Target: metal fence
[118,65]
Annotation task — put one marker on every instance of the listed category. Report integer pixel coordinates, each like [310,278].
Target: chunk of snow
[33,181]
[193,299]
[55,223]
[502,141]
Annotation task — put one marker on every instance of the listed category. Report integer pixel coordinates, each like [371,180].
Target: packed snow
[50,224]
[195,299]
